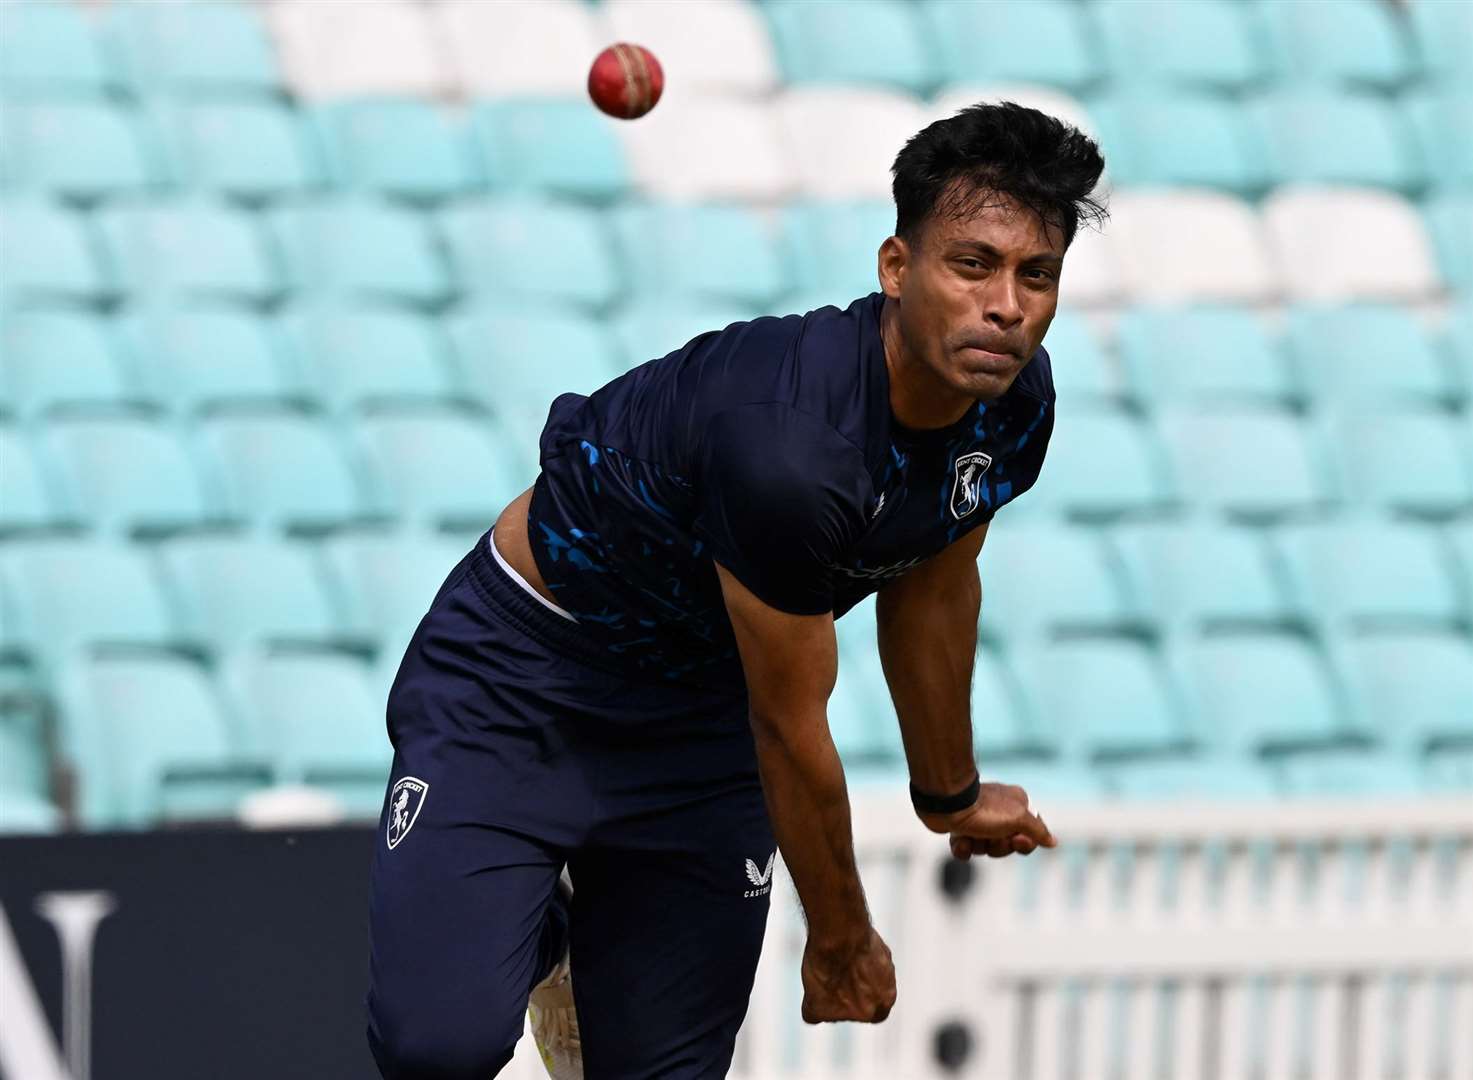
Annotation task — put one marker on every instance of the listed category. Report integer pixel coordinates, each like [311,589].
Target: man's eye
[972,264]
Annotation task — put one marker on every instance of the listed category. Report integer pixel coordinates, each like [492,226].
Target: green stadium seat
[442,469]
[80,149]
[198,249]
[1406,460]
[361,248]
[1358,42]
[1416,689]
[980,41]
[1208,43]
[243,149]
[882,41]
[29,501]
[70,592]
[319,721]
[284,471]
[833,247]
[152,742]
[560,148]
[1187,138]
[1196,576]
[1264,694]
[361,357]
[1444,34]
[207,358]
[717,252]
[240,590]
[50,252]
[403,147]
[388,580]
[1083,373]
[1249,463]
[1102,464]
[1202,356]
[214,48]
[513,251]
[49,48]
[647,331]
[59,359]
[1450,222]
[1207,778]
[1370,574]
[1345,354]
[1321,136]
[1433,115]
[130,475]
[1038,579]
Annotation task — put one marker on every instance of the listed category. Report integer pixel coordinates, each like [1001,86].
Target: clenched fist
[999,823]
[853,983]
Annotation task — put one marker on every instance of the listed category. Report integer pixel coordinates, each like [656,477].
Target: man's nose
[1001,305]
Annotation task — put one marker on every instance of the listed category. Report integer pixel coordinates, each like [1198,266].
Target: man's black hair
[955,166]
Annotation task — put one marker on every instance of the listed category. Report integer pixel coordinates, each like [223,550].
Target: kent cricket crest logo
[966,488]
[405,802]
[760,879]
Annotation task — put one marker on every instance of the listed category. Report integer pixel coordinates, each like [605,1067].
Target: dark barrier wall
[184,954]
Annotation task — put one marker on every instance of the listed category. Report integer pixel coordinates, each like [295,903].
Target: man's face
[976,294]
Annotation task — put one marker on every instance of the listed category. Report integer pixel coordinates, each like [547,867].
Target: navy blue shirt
[768,447]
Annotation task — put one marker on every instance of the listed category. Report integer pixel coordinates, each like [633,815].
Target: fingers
[1031,825]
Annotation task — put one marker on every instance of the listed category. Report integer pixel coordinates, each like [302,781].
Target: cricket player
[627,676]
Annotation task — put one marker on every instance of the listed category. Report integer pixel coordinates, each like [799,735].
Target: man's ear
[893,259]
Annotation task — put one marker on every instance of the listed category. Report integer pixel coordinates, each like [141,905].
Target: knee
[438,1048]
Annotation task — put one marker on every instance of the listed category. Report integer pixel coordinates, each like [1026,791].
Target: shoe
[553,1018]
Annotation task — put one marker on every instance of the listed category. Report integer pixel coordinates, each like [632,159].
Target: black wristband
[926,803]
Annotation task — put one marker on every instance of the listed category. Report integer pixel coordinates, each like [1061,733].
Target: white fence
[1266,941]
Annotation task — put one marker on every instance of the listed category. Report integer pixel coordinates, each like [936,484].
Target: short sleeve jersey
[768,447]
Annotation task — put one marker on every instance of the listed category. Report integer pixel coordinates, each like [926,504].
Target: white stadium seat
[356,47]
[843,141]
[521,47]
[1190,245]
[708,148]
[716,45]
[1338,244]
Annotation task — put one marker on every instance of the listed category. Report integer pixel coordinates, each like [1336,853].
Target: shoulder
[1036,380]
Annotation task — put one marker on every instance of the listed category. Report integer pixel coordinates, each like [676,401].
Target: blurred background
[285,291]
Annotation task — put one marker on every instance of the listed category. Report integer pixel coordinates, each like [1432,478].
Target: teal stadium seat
[1003,726]
[80,149]
[1083,372]
[560,148]
[1032,41]
[1203,356]
[1264,694]
[29,501]
[1354,42]
[152,742]
[200,249]
[25,764]
[713,252]
[1249,463]
[1444,34]
[511,251]
[388,580]
[1107,699]
[24,812]
[832,248]
[1213,778]
[1405,460]
[404,147]
[206,358]
[50,253]
[1040,579]
[648,331]
[1461,537]
[1433,115]
[1188,138]
[1321,136]
[1351,774]
[217,48]
[244,149]
[1450,221]
[1102,464]
[1208,43]
[442,469]
[235,591]
[516,363]
[882,41]
[861,717]
[1365,575]
[1344,355]
[1459,344]
[361,248]
[281,470]
[1416,689]
[70,592]
[361,357]
[1051,780]
[59,359]
[50,48]
[319,721]
[1196,576]
[130,475]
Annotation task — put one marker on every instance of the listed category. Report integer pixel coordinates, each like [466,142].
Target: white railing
[1262,941]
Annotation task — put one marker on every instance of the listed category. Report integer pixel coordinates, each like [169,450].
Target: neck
[918,399]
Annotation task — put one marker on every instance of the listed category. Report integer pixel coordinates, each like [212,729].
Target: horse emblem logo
[405,801]
[966,489]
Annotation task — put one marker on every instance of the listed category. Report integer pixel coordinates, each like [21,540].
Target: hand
[856,983]
[999,823]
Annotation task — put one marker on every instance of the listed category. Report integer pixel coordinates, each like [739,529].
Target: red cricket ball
[625,80]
